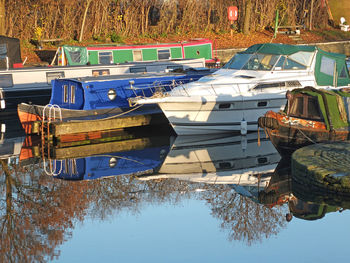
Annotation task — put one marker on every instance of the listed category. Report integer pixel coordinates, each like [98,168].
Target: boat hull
[287,136]
[190,117]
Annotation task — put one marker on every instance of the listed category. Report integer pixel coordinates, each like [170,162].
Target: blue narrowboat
[93,98]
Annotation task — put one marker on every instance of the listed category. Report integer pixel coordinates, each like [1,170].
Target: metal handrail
[52,107]
[52,170]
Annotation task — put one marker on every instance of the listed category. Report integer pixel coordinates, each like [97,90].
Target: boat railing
[156,88]
[201,88]
[187,89]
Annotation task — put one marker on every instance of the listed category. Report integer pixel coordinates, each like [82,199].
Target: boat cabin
[91,93]
[107,54]
[330,69]
[329,106]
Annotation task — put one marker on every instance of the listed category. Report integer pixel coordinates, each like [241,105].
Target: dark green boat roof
[278,49]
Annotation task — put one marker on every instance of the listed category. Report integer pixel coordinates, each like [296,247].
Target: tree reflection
[36,213]
[245,219]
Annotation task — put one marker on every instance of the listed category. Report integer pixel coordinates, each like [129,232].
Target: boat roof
[326,62]
[278,49]
[285,49]
[157,75]
[334,105]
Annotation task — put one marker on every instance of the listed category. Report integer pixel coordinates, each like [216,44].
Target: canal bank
[342,47]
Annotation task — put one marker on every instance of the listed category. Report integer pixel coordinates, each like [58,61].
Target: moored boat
[109,54]
[251,83]
[310,116]
[105,97]
[33,84]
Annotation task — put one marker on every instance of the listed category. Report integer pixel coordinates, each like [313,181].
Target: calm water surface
[155,197]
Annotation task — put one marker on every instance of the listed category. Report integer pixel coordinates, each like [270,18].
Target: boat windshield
[252,61]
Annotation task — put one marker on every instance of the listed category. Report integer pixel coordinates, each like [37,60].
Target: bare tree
[2,17]
[84,19]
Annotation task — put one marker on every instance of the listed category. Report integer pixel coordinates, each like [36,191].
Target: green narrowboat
[106,54]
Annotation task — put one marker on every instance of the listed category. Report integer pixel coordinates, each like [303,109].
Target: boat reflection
[11,140]
[120,162]
[237,160]
[304,201]
[125,154]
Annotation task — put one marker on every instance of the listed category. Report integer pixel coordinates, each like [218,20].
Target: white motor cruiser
[250,84]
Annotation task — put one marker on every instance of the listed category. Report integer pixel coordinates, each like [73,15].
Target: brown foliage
[29,19]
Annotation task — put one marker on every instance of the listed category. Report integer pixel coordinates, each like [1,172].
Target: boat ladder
[52,166]
[56,167]
[49,117]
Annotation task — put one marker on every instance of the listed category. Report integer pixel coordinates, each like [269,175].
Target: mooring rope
[113,116]
[305,135]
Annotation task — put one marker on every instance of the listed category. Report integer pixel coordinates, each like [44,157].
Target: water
[162,198]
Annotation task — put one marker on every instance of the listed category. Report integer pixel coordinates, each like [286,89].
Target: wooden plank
[62,128]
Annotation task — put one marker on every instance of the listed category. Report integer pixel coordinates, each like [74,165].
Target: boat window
[306,107]
[297,107]
[262,103]
[163,54]
[343,73]
[175,67]
[302,57]
[226,165]
[75,56]
[100,72]
[262,160]
[137,54]
[138,70]
[105,58]
[287,63]
[6,80]
[313,108]
[237,61]
[112,94]
[224,105]
[65,93]
[270,85]
[72,94]
[327,66]
[54,75]
[261,62]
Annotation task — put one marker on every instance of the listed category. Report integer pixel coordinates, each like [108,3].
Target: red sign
[232,13]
